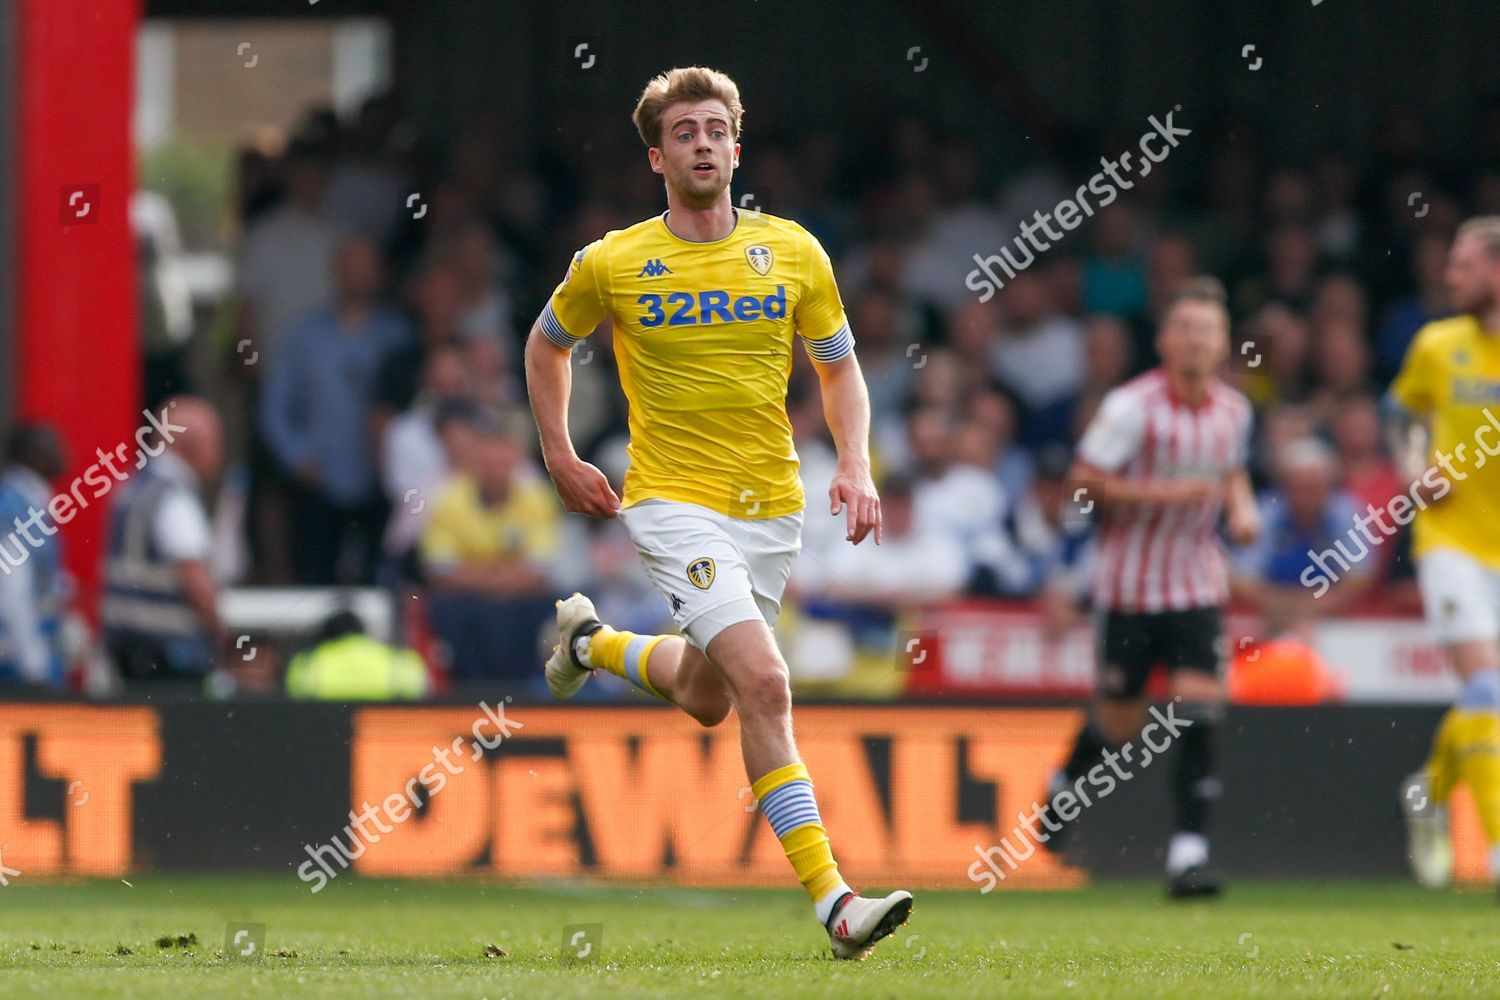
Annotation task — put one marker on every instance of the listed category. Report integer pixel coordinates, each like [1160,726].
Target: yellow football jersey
[703,342]
[1452,373]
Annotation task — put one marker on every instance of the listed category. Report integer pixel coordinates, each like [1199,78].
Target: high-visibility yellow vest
[356,668]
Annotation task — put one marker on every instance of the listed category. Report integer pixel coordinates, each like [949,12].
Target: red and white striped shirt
[1154,557]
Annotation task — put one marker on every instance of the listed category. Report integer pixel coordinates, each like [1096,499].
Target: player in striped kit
[1162,459]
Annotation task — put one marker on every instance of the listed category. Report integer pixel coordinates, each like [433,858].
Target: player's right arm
[1113,438]
[582,488]
[1108,489]
[575,309]
[1408,415]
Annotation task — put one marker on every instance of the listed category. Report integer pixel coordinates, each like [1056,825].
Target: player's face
[698,152]
[1471,276]
[1194,338]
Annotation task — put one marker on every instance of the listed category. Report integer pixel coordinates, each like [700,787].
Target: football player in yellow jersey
[704,301]
[1445,405]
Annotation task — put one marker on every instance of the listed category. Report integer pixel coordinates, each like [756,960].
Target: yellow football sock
[786,797]
[1476,750]
[624,654]
[1442,762]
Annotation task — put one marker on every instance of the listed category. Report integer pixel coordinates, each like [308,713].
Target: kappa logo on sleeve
[577,263]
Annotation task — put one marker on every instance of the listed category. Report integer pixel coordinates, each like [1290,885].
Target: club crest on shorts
[760,258]
[701,572]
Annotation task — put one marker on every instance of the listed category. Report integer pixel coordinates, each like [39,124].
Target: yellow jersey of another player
[1452,373]
[703,341]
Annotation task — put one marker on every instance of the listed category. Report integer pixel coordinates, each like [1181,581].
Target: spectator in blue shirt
[1311,531]
[317,414]
[34,587]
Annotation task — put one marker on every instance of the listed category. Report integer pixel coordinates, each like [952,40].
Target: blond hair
[1486,229]
[685,83]
[1203,288]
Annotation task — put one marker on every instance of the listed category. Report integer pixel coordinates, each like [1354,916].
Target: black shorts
[1131,643]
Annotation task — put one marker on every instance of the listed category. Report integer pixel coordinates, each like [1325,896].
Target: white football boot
[575,618]
[1428,846]
[857,923]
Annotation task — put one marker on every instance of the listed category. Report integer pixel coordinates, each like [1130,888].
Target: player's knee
[767,696]
[1118,723]
[1117,735]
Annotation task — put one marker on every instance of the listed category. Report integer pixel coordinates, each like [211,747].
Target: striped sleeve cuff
[833,348]
[554,330]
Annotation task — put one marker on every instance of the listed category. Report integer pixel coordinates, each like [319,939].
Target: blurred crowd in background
[367,369]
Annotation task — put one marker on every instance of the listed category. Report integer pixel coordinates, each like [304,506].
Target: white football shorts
[714,570]
[1460,595]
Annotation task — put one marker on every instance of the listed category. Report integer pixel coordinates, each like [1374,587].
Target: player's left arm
[846,407]
[1241,511]
[819,317]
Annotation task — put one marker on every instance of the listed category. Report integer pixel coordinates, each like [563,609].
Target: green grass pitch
[165,937]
